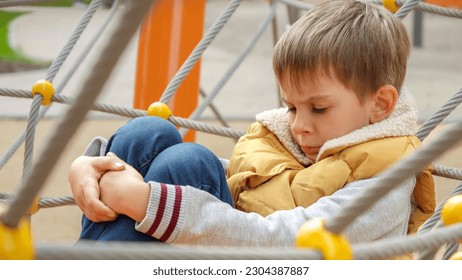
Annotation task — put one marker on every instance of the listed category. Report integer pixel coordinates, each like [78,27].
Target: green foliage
[57,3]
[7,53]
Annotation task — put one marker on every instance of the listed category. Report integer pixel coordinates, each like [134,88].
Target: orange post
[446,3]
[168,35]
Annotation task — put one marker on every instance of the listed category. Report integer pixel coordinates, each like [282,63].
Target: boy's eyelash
[319,110]
[314,110]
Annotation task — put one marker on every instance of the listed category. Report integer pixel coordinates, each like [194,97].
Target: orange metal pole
[446,3]
[168,35]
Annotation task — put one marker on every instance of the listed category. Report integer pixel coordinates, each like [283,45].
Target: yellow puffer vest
[264,177]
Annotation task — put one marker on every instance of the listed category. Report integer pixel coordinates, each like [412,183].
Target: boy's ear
[384,103]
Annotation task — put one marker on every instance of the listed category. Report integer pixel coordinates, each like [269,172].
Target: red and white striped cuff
[165,212]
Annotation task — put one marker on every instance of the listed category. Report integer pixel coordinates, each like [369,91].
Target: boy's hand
[125,192]
[84,176]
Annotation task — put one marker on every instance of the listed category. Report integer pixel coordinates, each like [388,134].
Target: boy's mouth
[310,150]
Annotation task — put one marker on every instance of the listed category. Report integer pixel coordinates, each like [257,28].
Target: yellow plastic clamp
[44,88]
[159,109]
[452,210]
[16,243]
[390,5]
[34,207]
[457,256]
[314,235]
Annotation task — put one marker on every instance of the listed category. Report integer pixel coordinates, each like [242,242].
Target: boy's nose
[302,125]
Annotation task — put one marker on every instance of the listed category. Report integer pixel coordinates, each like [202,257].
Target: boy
[340,69]
[331,94]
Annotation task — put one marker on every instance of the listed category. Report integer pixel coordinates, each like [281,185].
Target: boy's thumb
[117,163]
[111,154]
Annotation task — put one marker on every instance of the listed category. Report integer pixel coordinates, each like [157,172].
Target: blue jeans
[154,147]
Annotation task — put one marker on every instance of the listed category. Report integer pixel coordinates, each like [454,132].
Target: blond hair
[364,45]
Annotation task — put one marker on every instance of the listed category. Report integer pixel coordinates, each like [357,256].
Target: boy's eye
[319,110]
[291,109]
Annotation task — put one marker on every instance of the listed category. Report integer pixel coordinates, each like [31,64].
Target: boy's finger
[95,209]
[118,163]
[108,163]
[100,212]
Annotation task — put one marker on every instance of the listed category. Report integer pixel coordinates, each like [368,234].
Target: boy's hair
[364,45]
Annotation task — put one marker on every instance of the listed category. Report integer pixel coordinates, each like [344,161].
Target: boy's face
[322,110]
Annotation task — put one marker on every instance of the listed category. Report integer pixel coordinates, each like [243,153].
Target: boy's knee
[195,152]
[151,124]
[187,154]
[146,127]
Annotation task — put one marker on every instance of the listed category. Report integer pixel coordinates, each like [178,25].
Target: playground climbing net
[443,228]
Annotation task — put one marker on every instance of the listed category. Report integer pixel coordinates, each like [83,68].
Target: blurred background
[31,37]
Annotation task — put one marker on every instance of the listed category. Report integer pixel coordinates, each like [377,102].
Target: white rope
[87,95]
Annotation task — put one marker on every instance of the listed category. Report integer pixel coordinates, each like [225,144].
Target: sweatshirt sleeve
[185,215]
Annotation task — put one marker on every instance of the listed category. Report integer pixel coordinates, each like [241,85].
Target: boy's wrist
[134,201]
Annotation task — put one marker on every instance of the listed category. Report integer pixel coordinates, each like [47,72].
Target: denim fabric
[154,147]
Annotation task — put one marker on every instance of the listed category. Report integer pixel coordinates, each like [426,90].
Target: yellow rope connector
[452,210]
[457,256]
[34,207]
[44,88]
[314,235]
[16,243]
[159,109]
[390,5]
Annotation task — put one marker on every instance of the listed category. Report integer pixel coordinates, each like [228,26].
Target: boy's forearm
[131,201]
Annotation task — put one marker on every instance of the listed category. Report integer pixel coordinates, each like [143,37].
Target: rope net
[431,237]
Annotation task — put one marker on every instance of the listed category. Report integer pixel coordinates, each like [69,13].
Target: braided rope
[52,71]
[434,9]
[447,172]
[64,54]
[198,50]
[30,133]
[21,137]
[429,125]
[89,46]
[425,7]
[199,126]
[432,222]
[429,253]
[49,202]
[247,49]
[381,249]
[44,202]
[214,110]
[392,247]
[108,57]
[133,113]
[450,250]
[148,251]
[406,8]
[393,176]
